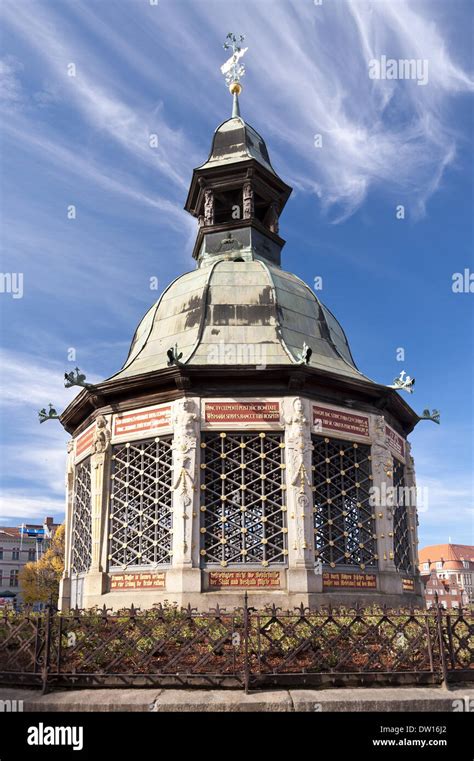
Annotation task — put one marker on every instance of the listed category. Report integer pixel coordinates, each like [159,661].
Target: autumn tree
[39,580]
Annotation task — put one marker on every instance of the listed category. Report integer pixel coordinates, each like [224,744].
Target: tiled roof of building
[446,552]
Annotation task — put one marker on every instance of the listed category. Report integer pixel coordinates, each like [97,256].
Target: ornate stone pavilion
[239,448]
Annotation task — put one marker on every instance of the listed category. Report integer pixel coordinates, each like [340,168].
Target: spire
[236,195]
[232,70]
[235,106]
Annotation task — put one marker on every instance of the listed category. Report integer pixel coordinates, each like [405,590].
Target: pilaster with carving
[382,498]
[69,483]
[185,483]
[65,585]
[248,200]
[298,487]
[410,480]
[100,460]
[208,207]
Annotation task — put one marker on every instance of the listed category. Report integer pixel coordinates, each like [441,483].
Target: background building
[20,545]
[449,570]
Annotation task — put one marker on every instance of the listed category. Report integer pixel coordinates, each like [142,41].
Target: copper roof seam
[278,327]
[202,323]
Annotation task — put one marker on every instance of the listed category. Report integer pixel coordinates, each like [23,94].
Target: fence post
[47,649]
[246,645]
[450,641]
[59,645]
[38,642]
[442,654]
[428,642]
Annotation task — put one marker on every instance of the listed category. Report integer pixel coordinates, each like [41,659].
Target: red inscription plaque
[84,441]
[244,579]
[242,412]
[408,585]
[141,421]
[124,581]
[395,442]
[350,580]
[345,422]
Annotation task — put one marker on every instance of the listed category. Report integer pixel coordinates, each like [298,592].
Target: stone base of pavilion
[190,587]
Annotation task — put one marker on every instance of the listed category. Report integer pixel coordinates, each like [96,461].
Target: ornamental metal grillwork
[82,520]
[401,528]
[141,503]
[344,522]
[169,646]
[243,498]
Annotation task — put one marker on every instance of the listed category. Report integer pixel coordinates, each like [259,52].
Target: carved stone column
[64,601]
[248,200]
[412,509]
[382,499]
[301,565]
[208,207]
[185,573]
[95,580]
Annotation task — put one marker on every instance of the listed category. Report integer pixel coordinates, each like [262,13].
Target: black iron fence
[169,646]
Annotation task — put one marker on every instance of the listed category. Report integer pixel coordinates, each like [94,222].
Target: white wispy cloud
[392,136]
[10,86]
[28,380]
[129,126]
[15,506]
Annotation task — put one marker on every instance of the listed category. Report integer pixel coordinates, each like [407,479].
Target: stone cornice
[240,382]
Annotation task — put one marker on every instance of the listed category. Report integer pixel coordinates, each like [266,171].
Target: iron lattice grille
[141,503]
[243,498]
[401,529]
[82,519]
[344,522]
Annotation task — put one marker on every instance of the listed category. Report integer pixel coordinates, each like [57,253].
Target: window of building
[426,566]
[1,577]
[31,553]
[1,553]
[16,553]
[81,544]
[14,578]
[465,563]
[439,564]
[243,512]
[141,503]
[344,521]
[401,528]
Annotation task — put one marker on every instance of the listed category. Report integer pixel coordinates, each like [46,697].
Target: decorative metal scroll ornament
[232,69]
[78,379]
[304,355]
[174,356]
[434,416]
[50,415]
[403,383]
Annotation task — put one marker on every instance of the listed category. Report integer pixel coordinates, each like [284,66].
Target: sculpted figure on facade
[102,436]
[186,433]
[70,460]
[248,200]
[208,207]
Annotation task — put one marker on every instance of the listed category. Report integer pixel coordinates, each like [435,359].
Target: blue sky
[144,68]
